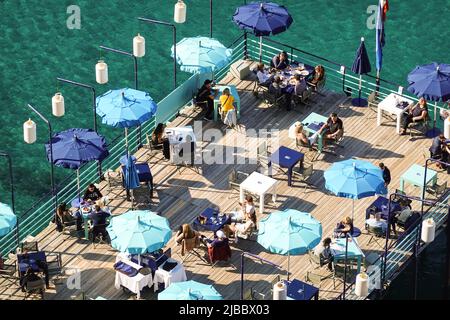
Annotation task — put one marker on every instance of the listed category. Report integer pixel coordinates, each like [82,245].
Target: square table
[30,259]
[235,95]
[299,290]
[353,251]
[415,176]
[286,158]
[312,124]
[259,184]
[213,221]
[134,284]
[144,173]
[177,274]
[390,105]
[380,205]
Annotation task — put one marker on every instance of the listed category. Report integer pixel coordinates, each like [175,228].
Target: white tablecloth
[389,104]
[134,284]
[177,274]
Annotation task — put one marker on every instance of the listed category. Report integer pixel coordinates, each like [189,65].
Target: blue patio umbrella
[432,82]
[361,65]
[354,179]
[8,220]
[125,108]
[262,19]
[138,232]
[201,55]
[289,232]
[189,290]
[75,147]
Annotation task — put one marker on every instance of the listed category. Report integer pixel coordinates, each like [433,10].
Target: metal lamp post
[253,256]
[128,54]
[94,109]
[174,28]
[11,180]
[52,174]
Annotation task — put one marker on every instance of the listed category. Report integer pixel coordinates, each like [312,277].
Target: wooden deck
[182,197]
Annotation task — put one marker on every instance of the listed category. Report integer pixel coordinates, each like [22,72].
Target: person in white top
[243,227]
[377,222]
[247,207]
[264,78]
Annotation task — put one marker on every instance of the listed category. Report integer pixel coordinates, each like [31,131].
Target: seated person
[376,222]
[30,276]
[319,74]
[300,85]
[323,251]
[206,95]
[227,104]
[63,216]
[333,129]
[417,113]
[344,227]
[220,240]
[158,136]
[280,61]
[248,207]
[241,229]
[302,136]
[92,194]
[98,218]
[276,90]
[264,77]
[439,150]
[186,232]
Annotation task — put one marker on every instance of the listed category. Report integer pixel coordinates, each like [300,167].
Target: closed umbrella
[361,65]
[125,108]
[138,232]
[289,232]
[131,176]
[8,220]
[75,147]
[432,82]
[201,55]
[189,290]
[354,179]
[262,19]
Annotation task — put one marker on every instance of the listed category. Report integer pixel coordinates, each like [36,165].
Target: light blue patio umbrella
[8,220]
[289,232]
[354,179]
[189,290]
[201,55]
[138,232]
[125,108]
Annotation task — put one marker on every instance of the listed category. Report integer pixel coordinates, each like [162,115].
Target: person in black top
[333,129]
[30,276]
[386,174]
[98,218]
[206,94]
[92,194]
[276,90]
[439,150]
[417,113]
[280,61]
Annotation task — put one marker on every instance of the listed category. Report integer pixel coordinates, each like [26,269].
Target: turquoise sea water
[36,46]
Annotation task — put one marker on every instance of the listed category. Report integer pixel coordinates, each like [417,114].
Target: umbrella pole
[260,49]
[289,265]
[360,88]
[126,140]
[353,208]
[139,259]
[78,185]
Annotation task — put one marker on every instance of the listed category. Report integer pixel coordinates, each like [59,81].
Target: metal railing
[339,77]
